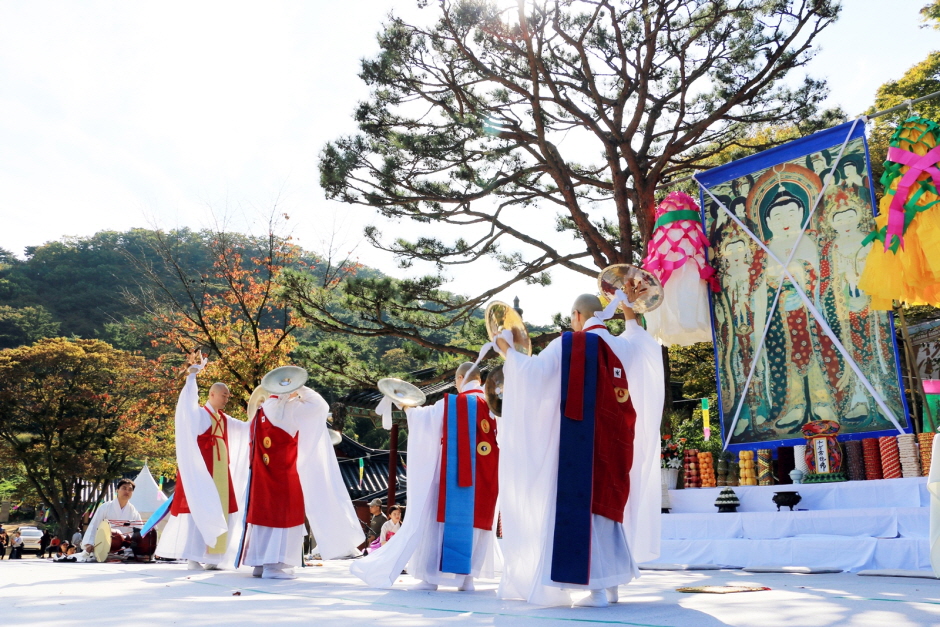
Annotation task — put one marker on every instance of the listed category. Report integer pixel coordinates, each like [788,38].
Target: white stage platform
[854,525]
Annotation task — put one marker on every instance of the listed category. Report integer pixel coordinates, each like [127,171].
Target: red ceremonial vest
[206,443]
[275,497]
[486,481]
[614,430]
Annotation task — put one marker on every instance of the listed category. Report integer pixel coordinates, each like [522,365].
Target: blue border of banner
[816,142]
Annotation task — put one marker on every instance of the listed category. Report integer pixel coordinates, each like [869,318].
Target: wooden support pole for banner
[915,375]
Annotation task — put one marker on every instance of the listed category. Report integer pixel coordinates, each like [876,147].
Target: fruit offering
[748,472]
[706,464]
[690,468]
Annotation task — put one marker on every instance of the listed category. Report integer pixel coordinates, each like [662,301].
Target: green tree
[25,325]
[78,414]
[492,120]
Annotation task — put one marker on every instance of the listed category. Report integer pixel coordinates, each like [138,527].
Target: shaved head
[466,372]
[583,309]
[219,395]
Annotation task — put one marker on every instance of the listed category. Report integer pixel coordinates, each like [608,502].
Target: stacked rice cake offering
[910,458]
[890,457]
[925,440]
[856,459]
[872,458]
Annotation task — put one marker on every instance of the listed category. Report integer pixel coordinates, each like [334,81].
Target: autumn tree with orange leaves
[79,413]
[229,311]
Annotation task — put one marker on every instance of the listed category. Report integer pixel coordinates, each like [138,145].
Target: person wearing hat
[579,476]
[212,462]
[294,476]
[378,519]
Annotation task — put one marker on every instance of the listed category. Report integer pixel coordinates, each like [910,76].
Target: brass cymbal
[401,392]
[258,397]
[616,276]
[501,316]
[493,389]
[284,380]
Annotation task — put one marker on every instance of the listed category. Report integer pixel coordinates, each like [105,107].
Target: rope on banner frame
[809,305]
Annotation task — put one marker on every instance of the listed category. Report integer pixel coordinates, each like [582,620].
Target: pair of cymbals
[499,317]
[623,275]
[401,392]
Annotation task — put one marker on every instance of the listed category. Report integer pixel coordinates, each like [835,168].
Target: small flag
[362,469]
[705,420]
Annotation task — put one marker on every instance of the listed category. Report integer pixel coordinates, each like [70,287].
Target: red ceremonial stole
[218,429]
[485,476]
[595,451]
[275,496]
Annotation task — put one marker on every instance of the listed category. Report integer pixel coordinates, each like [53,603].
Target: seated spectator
[53,546]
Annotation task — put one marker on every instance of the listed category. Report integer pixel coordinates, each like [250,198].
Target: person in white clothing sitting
[120,512]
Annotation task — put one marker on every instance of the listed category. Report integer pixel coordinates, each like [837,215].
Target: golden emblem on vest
[484,448]
[622,394]
[266,442]
[485,425]
[265,459]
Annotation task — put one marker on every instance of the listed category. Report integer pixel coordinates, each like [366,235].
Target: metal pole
[393,464]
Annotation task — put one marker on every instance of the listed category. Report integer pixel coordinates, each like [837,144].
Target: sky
[116,115]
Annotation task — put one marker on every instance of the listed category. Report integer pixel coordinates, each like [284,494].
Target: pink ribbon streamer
[917,165]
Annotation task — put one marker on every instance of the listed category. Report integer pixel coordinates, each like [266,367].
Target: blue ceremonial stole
[157,516]
[457,547]
[571,547]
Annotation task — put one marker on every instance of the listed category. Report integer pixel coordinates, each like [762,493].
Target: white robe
[188,536]
[118,516]
[528,439]
[418,543]
[327,505]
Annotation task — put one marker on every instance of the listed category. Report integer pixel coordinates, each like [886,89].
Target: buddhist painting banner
[799,376]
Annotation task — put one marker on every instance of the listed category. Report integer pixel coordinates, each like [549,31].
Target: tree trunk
[667,402]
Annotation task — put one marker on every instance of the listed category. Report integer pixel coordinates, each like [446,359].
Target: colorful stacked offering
[690,469]
[926,450]
[856,459]
[890,457]
[872,454]
[799,458]
[748,471]
[764,474]
[910,459]
[706,465]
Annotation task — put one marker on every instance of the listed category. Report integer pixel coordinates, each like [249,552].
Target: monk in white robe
[119,512]
[419,542]
[295,475]
[212,460]
[529,439]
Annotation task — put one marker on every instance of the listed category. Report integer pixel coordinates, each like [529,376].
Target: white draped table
[852,525]
[816,496]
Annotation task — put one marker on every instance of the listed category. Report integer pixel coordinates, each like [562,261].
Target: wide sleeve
[643,364]
[93,525]
[329,509]
[381,569]
[528,473]
[135,515]
[201,493]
